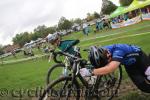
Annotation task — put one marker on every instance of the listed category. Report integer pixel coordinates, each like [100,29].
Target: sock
[147,72]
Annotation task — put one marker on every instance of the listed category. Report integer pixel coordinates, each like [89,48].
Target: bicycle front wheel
[61,89]
[55,72]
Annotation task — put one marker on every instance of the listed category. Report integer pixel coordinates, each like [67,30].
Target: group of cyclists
[106,59]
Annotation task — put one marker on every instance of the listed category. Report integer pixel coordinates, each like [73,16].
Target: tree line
[42,31]
[64,24]
[109,7]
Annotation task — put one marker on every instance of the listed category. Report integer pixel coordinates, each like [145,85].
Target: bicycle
[74,85]
[62,65]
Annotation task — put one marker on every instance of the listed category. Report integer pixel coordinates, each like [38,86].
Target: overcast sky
[24,15]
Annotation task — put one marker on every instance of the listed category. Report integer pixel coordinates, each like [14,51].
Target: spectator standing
[85,29]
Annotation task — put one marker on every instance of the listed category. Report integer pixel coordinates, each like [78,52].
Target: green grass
[140,40]
[32,74]
[24,75]
[79,35]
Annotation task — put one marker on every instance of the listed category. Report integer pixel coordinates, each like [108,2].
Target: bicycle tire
[55,58]
[117,87]
[51,69]
[62,79]
[119,82]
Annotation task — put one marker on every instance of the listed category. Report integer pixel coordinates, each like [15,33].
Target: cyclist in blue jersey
[66,45]
[108,58]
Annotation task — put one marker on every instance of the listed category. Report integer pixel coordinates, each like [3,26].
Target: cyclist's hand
[85,72]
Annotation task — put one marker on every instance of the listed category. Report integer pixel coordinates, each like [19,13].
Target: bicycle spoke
[109,84]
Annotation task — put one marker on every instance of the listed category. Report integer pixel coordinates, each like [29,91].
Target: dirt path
[128,91]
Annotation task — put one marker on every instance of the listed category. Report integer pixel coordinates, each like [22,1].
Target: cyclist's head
[98,56]
[53,38]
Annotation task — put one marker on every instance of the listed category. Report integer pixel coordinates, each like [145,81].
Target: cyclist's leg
[145,63]
[137,73]
[138,79]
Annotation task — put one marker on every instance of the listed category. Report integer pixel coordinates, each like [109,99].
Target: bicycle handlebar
[66,54]
[55,56]
[56,53]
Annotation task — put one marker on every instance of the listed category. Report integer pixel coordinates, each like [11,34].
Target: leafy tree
[108,7]
[64,24]
[40,28]
[17,39]
[77,20]
[125,2]
[36,35]
[1,50]
[40,31]
[90,17]
[50,30]
[21,38]
[96,15]
[43,31]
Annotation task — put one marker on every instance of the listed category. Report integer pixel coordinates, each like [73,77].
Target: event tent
[136,4]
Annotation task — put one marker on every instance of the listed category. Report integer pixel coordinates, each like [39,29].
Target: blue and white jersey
[124,53]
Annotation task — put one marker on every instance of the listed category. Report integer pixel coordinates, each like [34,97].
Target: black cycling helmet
[98,56]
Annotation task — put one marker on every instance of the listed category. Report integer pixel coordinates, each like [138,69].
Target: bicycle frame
[90,89]
[76,73]
[66,61]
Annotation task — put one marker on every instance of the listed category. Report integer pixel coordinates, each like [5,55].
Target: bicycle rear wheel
[61,89]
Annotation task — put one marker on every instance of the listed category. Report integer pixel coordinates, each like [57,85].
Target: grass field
[21,55]
[31,74]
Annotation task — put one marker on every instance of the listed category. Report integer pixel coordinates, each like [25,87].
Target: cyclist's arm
[110,67]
